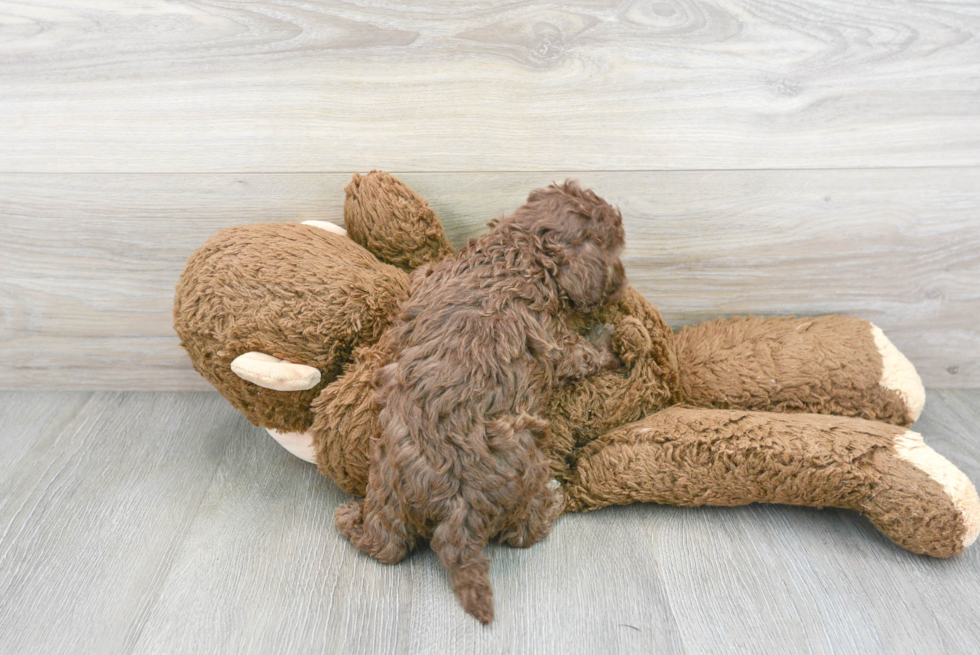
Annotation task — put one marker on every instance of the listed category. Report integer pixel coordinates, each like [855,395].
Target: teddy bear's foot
[922,502]
[299,444]
[899,375]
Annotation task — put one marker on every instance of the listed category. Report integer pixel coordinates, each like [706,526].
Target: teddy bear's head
[256,295]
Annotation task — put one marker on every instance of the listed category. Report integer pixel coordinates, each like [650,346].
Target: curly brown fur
[478,346]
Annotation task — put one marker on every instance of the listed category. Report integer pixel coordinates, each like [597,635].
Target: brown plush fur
[393,222]
[825,365]
[588,408]
[292,291]
[262,295]
[478,347]
[346,418]
[691,456]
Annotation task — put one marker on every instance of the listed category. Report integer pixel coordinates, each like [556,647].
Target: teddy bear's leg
[828,365]
[393,222]
[691,457]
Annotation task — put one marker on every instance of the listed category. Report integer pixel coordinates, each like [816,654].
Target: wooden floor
[160,522]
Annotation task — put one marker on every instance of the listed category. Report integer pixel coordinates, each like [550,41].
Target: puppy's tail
[461,552]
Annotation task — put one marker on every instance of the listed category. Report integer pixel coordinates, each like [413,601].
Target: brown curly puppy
[476,348]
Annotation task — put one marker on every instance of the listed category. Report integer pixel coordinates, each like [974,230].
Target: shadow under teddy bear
[287,321]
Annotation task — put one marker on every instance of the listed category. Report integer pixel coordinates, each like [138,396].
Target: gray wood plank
[93,514]
[337,86]
[782,579]
[25,418]
[91,260]
[264,570]
[115,546]
[590,587]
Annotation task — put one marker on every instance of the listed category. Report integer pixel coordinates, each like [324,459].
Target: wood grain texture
[90,261]
[263,546]
[26,418]
[200,534]
[592,588]
[334,86]
[781,579]
[92,514]
[264,540]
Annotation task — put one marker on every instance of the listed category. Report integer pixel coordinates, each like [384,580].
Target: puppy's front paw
[601,336]
[631,340]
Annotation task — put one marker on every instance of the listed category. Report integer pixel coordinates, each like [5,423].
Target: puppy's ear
[582,275]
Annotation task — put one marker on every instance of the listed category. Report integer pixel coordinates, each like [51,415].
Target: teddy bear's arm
[828,365]
[573,355]
[691,457]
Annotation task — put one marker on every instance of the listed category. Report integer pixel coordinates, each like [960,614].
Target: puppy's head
[586,235]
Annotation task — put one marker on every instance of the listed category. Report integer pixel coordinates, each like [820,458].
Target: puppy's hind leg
[544,508]
[461,552]
[375,529]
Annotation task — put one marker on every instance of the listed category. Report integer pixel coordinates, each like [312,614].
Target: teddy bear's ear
[393,222]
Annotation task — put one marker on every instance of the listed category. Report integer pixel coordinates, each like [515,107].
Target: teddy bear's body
[806,411]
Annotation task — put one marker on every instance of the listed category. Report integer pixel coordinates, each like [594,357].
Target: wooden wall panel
[90,261]
[288,86]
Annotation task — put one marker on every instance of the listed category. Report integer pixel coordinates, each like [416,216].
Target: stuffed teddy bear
[288,322]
